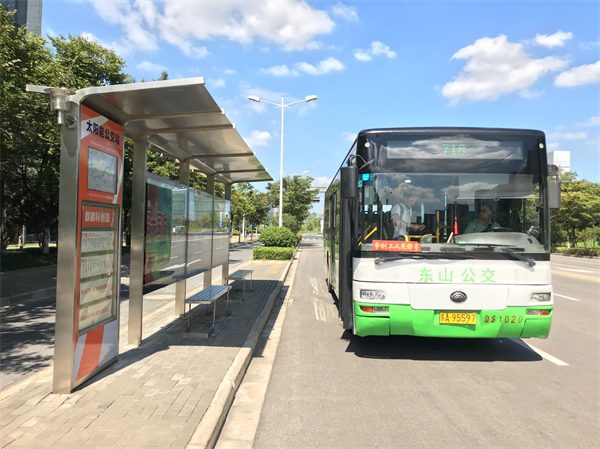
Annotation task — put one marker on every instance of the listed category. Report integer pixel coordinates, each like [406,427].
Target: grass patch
[29,257]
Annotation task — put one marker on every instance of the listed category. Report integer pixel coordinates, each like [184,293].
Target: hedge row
[594,252]
[273,253]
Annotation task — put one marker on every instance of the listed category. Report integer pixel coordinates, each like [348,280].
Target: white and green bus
[442,232]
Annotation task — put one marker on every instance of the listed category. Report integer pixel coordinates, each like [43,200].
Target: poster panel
[99,253]
[222,218]
[165,230]
[200,206]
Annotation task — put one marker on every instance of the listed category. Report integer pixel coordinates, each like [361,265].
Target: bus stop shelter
[177,118]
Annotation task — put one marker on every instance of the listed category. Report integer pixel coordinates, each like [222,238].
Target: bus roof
[451,130]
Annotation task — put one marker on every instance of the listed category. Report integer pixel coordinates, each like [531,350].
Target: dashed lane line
[543,354]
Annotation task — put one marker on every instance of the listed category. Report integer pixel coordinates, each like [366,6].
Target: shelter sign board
[98,230]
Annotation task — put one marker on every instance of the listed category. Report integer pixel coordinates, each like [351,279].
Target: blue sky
[371,64]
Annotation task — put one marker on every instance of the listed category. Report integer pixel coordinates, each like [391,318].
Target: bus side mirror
[349,182]
[554,195]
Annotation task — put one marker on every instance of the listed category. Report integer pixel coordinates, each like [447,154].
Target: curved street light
[282,106]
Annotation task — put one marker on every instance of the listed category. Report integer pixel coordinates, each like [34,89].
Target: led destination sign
[453,148]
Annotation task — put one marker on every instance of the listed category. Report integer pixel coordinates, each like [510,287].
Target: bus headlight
[373,295]
[541,297]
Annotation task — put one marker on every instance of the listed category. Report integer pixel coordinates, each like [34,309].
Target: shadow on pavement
[28,323]
[428,348]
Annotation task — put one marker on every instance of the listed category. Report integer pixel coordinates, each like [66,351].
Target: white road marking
[567,297]
[175,266]
[575,270]
[543,354]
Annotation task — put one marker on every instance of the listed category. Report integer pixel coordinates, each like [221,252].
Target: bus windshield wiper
[382,260]
[508,249]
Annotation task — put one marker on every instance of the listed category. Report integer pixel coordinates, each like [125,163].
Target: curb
[205,435]
[37,294]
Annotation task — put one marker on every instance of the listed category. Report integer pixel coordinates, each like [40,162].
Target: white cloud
[592,121]
[280,70]
[553,40]
[362,55]
[148,66]
[350,137]
[377,49]
[496,67]
[559,135]
[554,146]
[325,66]
[219,82]
[133,18]
[229,71]
[321,181]
[381,49]
[258,139]
[530,93]
[593,45]
[347,12]
[291,24]
[579,76]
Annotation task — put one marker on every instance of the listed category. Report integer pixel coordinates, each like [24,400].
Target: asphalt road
[331,389]
[27,331]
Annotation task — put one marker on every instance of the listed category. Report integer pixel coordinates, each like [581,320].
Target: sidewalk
[172,391]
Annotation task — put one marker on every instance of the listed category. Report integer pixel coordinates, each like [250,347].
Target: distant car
[178,229]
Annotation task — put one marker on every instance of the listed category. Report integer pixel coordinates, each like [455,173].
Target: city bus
[442,232]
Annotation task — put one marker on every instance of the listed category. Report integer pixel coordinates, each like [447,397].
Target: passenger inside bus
[402,217]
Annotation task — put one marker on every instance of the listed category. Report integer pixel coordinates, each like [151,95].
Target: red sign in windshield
[393,245]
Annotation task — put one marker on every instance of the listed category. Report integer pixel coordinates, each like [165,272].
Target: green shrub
[273,253]
[279,237]
[594,252]
[236,232]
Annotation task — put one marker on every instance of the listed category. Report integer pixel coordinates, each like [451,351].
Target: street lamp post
[282,106]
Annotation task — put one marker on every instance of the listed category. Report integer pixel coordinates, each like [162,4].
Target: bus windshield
[486,210]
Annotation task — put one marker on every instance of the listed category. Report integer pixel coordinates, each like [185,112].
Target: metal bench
[209,295]
[241,275]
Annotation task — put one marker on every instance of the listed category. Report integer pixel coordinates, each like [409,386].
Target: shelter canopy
[180,119]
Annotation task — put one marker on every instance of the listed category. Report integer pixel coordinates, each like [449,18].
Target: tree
[241,206]
[580,208]
[260,214]
[29,133]
[297,196]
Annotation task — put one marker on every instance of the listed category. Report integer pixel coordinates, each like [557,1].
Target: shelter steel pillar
[225,268]
[210,188]
[66,282]
[181,286]
[138,221]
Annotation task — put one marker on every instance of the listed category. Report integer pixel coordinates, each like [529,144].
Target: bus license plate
[458,318]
